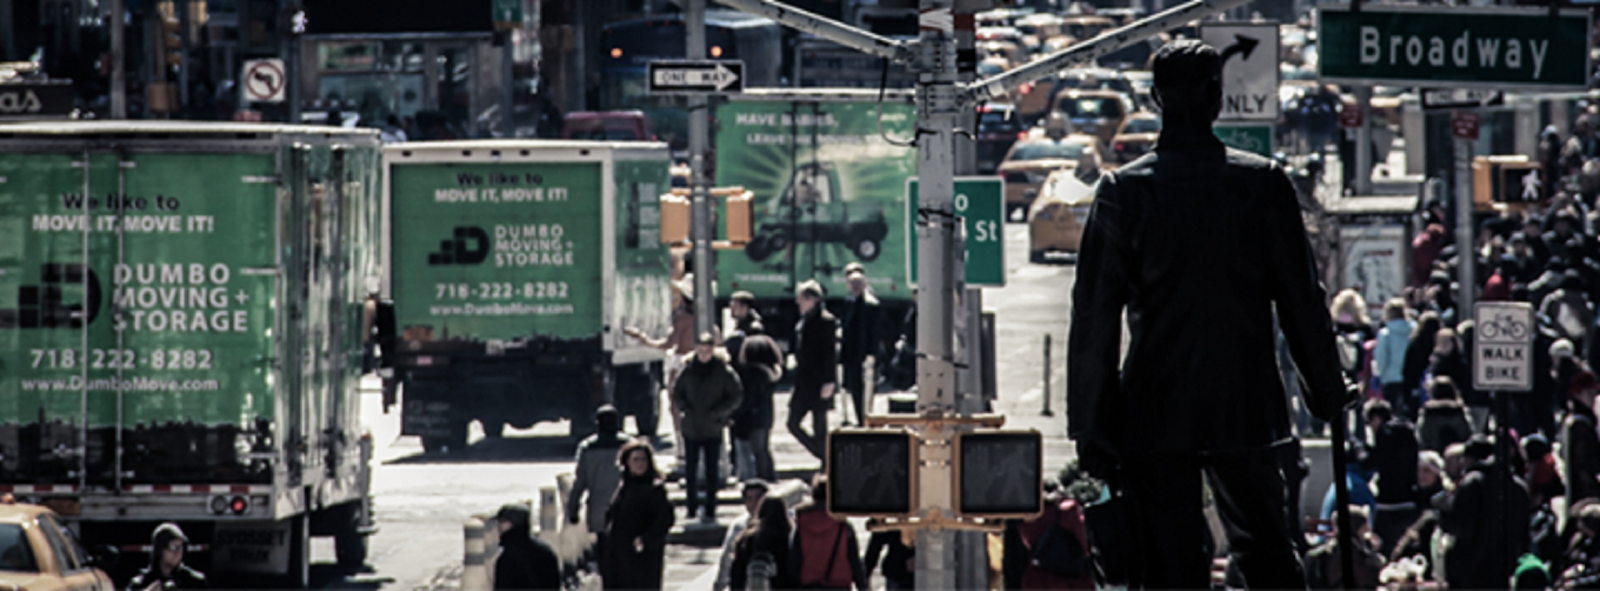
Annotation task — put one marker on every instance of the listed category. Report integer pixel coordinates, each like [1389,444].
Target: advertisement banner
[497,251]
[829,190]
[641,293]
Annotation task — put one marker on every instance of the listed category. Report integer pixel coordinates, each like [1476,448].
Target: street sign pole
[1363,174]
[1502,358]
[119,74]
[1466,274]
[700,216]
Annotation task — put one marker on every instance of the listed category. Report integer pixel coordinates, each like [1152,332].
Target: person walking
[706,394]
[765,543]
[825,553]
[896,551]
[1444,418]
[815,353]
[1154,424]
[596,476]
[1389,356]
[860,324]
[752,493]
[636,523]
[1580,445]
[760,365]
[1487,541]
[166,569]
[525,562]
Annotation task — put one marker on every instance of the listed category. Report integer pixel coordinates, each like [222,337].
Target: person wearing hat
[706,395]
[595,478]
[1580,445]
[860,324]
[167,570]
[816,364]
[525,562]
[1487,540]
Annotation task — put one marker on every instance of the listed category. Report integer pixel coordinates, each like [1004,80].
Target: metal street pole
[508,95]
[1466,273]
[1363,172]
[183,6]
[119,75]
[700,216]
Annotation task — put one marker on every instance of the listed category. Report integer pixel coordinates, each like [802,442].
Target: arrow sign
[696,76]
[1461,98]
[1242,45]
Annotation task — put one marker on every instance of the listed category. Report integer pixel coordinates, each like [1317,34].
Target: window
[65,556]
[75,553]
[16,554]
[1144,126]
[1042,150]
[1091,107]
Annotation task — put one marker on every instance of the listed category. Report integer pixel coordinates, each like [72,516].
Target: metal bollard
[1046,396]
[474,563]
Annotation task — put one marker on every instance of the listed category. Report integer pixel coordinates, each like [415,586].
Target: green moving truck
[181,334]
[513,267]
[829,182]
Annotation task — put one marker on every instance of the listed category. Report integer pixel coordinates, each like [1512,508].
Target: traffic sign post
[980,201]
[1459,46]
[265,81]
[1249,69]
[1502,352]
[1461,98]
[1464,125]
[696,76]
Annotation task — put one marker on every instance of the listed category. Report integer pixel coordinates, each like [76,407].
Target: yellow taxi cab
[1030,161]
[1057,217]
[39,553]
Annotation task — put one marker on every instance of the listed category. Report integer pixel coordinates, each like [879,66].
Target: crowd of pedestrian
[1449,488]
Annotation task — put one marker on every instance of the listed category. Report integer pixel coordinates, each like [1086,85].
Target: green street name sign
[1256,139]
[1455,46]
[507,14]
[980,201]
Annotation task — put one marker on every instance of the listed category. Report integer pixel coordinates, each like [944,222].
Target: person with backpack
[1058,547]
[824,553]
[1394,459]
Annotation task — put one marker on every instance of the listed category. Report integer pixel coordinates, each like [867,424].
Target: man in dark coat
[1485,549]
[167,570]
[1200,389]
[816,363]
[525,562]
[1580,445]
[860,321]
[760,364]
[706,394]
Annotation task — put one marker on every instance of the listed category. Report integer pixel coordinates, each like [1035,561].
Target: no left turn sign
[264,81]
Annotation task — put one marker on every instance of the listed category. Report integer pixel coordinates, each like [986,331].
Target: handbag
[1059,552]
[1111,539]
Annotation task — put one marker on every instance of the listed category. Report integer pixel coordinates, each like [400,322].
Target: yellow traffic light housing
[676,216]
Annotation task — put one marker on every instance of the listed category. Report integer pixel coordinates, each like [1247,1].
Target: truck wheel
[349,544]
[757,249]
[867,249]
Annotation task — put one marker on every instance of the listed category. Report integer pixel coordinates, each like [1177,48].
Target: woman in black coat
[1419,354]
[768,534]
[633,550]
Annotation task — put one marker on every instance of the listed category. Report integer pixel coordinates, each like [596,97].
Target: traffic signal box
[1501,181]
[880,472]
[677,217]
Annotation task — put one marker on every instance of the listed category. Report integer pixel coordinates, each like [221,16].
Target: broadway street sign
[1455,47]
[696,76]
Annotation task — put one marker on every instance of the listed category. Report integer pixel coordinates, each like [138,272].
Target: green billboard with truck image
[513,268]
[181,333]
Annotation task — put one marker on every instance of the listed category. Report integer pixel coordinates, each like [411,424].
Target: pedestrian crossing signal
[999,474]
[871,473]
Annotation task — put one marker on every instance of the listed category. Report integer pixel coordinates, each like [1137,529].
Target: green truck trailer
[513,268]
[828,170]
[181,335]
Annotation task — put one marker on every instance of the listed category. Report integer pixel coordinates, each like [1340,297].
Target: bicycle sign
[1502,353]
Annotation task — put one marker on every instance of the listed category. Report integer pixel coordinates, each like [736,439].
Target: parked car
[1057,217]
[1136,136]
[999,127]
[1030,162]
[607,125]
[38,552]
[1095,112]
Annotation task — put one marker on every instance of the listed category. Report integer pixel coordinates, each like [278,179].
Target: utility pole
[700,233]
[941,98]
[1362,184]
[119,75]
[508,88]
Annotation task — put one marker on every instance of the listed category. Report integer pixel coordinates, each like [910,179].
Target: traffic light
[739,220]
[999,474]
[871,473]
[674,219]
[1506,179]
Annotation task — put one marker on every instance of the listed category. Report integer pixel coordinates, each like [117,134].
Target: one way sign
[1249,69]
[696,76]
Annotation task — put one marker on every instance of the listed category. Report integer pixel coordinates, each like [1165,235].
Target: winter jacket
[1389,360]
[707,393]
[889,548]
[640,510]
[824,552]
[1156,230]
[1394,457]
[816,355]
[1569,311]
[1068,515]
[751,543]
[182,577]
[1580,451]
[759,373]
[598,475]
[1474,560]
[525,562]
[1442,423]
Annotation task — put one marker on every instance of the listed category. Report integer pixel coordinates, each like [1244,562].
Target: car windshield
[16,555]
[996,120]
[1042,150]
[987,69]
[1091,107]
[1144,125]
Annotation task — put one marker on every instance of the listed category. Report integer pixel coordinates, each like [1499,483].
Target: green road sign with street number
[1255,139]
[1483,47]
[507,14]
[981,202]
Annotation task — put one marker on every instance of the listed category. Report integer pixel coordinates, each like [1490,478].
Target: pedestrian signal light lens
[870,472]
